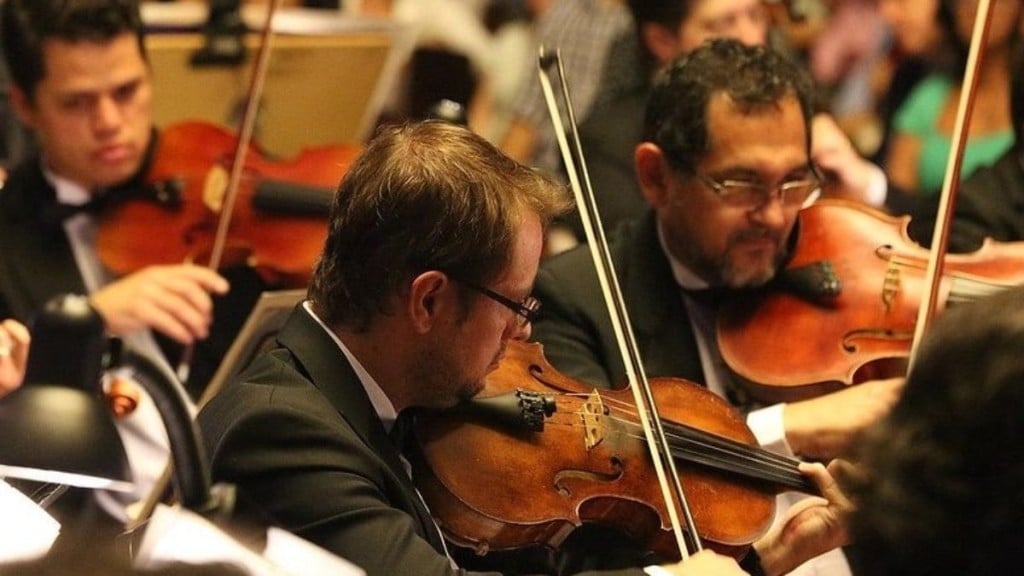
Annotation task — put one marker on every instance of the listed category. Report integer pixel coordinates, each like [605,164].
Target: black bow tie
[59,212]
[401,430]
[708,297]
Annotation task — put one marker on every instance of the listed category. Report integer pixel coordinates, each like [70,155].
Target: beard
[441,379]
[741,268]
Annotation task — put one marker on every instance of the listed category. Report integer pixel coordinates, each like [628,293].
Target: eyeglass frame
[528,310]
[719,187]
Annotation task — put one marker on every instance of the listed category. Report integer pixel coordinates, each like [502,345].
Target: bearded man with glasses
[725,167]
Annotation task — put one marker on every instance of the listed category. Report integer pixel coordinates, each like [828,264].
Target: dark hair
[754,77]
[941,489]
[28,24]
[952,57]
[426,196]
[1017,95]
[669,14]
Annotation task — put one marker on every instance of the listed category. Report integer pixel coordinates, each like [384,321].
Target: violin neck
[751,462]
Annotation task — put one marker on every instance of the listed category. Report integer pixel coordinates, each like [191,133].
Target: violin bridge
[214,187]
[592,414]
[890,286]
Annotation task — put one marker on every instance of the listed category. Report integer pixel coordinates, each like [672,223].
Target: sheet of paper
[26,530]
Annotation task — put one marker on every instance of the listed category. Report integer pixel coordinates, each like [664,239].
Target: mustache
[758,233]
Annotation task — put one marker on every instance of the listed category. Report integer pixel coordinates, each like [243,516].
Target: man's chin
[750,275]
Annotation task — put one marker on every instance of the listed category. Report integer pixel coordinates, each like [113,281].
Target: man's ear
[21,105]
[652,172]
[661,42]
[428,295]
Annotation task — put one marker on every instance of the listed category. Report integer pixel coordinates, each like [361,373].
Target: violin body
[787,346]
[492,487]
[278,225]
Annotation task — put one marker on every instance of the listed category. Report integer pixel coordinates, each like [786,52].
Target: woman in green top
[923,126]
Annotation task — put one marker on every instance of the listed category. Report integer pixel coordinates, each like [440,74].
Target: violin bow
[647,410]
[246,128]
[223,223]
[951,180]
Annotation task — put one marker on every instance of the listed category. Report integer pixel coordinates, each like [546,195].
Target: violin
[278,226]
[560,454]
[846,308]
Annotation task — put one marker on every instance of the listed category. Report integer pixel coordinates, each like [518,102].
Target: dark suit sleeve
[990,204]
[570,325]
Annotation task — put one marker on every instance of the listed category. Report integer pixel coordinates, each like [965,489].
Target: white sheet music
[26,530]
[174,534]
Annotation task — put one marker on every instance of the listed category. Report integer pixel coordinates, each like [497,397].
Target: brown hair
[425,196]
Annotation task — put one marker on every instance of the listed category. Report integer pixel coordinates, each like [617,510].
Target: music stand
[257,335]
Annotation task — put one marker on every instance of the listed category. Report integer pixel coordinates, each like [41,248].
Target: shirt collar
[381,404]
[67,191]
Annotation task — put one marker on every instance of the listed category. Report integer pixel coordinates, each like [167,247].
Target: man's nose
[107,114]
[772,213]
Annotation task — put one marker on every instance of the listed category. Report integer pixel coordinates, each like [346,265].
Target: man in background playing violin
[665,29]
[81,82]
[725,166]
[435,239]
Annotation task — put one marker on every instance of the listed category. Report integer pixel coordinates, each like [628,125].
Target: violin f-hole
[564,477]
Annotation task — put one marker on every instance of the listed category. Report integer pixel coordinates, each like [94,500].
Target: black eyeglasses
[751,194]
[527,310]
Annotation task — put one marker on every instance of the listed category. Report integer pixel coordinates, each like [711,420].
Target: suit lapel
[659,318]
[37,262]
[331,373]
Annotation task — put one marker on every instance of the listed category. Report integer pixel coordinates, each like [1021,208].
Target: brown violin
[548,453]
[278,225]
[846,307]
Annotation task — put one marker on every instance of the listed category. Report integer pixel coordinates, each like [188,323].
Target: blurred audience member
[584,32]
[664,29]
[923,126]
[990,203]
[915,34]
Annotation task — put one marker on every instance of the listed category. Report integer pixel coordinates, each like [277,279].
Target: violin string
[740,449]
[723,453]
[697,452]
[693,432]
[964,288]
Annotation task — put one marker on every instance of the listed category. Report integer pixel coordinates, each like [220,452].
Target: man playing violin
[665,29]
[81,82]
[725,167]
[435,239]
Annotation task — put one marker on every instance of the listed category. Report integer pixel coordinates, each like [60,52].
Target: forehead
[768,137]
[715,9]
[89,66]
[745,20]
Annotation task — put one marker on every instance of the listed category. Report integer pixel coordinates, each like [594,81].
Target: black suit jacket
[990,204]
[574,325]
[298,435]
[36,261]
